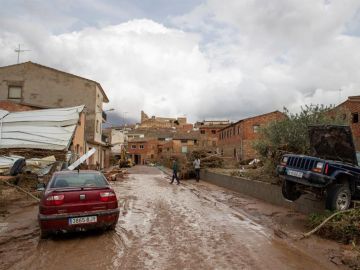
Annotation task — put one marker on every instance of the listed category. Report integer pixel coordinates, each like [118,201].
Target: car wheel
[112,227]
[338,197]
[44,234]
[289,191]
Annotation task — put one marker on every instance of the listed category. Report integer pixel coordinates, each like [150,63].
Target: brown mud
[162,226]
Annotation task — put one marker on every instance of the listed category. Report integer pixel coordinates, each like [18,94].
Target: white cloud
[219,61]
[141,64]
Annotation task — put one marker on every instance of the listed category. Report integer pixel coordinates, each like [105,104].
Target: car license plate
[294,173]
[82,220]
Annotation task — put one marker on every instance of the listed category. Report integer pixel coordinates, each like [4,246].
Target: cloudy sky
[204,59]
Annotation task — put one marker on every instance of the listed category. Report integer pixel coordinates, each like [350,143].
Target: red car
[77,200]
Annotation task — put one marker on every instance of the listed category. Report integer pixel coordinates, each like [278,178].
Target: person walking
[197,168]
[175,167]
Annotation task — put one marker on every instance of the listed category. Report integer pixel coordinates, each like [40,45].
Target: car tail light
[107,196]
[55,199]
[318,167]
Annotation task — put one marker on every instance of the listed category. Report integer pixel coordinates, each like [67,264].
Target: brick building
[143,150]
[236,140]
[350,110]
[209,133]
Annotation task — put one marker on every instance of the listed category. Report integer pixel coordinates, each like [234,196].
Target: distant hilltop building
[162,122]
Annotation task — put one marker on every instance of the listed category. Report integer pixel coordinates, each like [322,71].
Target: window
[213,131]
[15,92]
[256,128]
[133,146]
[202,131]
[184,149]
[184,141]
[78,180]
[141,146]
[355,118]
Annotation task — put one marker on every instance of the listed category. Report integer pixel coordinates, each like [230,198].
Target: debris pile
[29,153]
[115,174]
[208,160]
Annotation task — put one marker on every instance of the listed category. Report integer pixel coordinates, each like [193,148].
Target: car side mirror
[40,187]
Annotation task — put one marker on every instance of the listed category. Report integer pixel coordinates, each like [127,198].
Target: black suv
[332,172]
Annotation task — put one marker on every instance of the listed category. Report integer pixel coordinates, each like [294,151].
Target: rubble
[115,174]
[208,160]
[6,163]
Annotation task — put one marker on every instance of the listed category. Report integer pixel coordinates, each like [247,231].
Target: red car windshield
[74,180]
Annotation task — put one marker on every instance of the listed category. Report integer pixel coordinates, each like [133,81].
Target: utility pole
[18,51]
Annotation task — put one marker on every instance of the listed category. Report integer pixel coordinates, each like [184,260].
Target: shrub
[290,135]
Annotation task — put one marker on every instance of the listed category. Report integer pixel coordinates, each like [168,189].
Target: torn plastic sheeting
[49,117]
[40,162]
[41,129]
[7,162]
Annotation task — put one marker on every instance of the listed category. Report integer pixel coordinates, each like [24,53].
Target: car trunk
[332,143]
[80,200]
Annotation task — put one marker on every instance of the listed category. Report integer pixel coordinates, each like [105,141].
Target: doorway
[137,159]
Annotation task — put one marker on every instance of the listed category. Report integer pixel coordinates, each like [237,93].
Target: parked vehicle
[77,200]
[332,172]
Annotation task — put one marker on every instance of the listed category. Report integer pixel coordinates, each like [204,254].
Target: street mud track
[163,226]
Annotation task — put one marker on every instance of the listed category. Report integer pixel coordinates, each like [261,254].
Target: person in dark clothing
[175,167]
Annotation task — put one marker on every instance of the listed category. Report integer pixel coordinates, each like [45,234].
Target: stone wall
[263,191]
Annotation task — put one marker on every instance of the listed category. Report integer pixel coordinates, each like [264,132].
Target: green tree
[291,133]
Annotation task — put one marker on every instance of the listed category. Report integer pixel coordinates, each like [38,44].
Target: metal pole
[18,58]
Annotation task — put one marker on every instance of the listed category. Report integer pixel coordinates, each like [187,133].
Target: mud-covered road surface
[163,226]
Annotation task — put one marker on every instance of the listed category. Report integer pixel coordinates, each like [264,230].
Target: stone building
[208,133]
[236,140]
[39,85]
[162,122]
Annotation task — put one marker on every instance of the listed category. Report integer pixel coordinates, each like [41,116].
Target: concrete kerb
[164,170]
[264,191]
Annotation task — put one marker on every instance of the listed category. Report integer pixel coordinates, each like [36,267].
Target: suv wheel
[338,197]
[289,191]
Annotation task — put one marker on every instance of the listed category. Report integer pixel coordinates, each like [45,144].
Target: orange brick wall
[148,153]
[236,140]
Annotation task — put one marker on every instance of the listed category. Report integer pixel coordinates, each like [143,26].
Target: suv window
[358,158]
[78,180]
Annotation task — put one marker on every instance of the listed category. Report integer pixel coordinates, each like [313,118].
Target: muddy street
[162,226]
